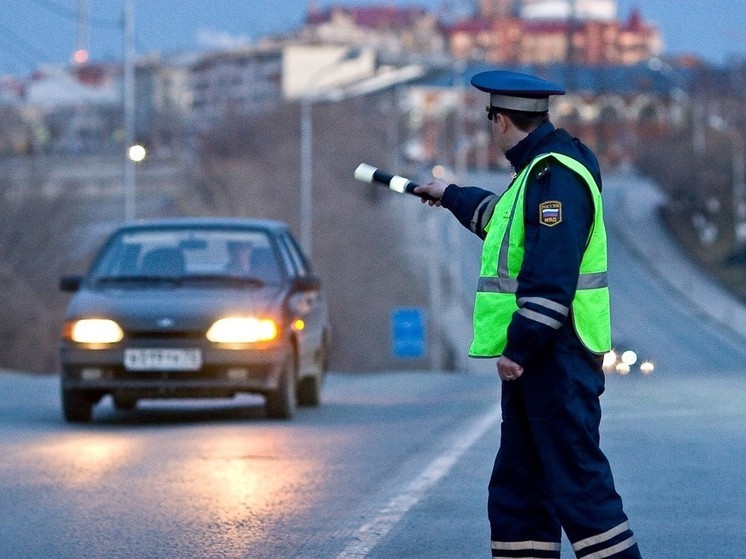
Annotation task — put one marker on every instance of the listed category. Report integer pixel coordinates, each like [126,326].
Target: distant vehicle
[621,362]
[195,308]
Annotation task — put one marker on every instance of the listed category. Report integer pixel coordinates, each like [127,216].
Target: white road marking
[372,532]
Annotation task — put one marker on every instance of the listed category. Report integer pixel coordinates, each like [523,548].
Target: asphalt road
[393,464]
[220,480]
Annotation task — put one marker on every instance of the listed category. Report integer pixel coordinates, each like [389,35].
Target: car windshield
[179,255]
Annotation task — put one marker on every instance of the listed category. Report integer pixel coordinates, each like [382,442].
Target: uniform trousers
[550,473]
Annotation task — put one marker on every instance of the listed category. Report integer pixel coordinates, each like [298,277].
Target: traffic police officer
[542,309]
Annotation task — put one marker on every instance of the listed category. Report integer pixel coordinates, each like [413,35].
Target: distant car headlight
[629,357]
[242,330]
[93,331]
[610,358]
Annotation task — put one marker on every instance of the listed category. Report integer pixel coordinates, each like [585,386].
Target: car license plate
[161,359]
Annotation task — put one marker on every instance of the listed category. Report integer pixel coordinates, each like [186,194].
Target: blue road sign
[408,333]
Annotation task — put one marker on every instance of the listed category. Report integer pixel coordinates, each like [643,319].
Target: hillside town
[233,326]
[235,131]
[621,88]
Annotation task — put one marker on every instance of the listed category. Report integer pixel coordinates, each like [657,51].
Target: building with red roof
[515,40]
[502,31]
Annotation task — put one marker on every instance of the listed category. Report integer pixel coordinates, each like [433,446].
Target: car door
[312,305]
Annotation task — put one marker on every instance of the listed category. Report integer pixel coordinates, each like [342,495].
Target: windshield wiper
[137,279]
[178,280]
[224,278]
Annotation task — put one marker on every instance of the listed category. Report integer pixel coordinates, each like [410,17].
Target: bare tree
[34,247]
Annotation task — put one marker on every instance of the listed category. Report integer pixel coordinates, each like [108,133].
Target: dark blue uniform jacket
[552,254]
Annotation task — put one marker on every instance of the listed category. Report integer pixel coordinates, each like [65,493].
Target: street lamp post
[306,174]
[307,100]
[738,165]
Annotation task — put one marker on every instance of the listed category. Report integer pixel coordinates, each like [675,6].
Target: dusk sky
[33,32]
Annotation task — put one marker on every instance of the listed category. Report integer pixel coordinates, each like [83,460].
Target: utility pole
[129,113]
[80,56]
[309,96]
[306,173]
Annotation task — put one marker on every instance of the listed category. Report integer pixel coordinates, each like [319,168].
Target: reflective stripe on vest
[502,258]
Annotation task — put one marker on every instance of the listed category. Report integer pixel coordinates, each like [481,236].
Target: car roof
[272,225]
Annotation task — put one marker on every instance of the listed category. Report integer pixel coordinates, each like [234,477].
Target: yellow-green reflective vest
[502,258]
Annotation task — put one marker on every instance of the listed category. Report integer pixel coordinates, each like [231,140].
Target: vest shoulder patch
[550,213]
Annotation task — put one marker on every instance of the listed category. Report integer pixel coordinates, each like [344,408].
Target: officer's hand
[434,189]
[508,369]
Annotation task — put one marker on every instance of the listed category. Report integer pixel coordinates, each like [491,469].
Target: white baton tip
[399,184]
[364,172]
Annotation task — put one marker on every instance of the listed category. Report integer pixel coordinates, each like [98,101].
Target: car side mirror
[70,284]
[307,283]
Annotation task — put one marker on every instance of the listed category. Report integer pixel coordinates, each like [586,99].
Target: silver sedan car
[195,308]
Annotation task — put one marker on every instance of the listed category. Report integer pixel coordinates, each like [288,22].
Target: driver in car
[239,258]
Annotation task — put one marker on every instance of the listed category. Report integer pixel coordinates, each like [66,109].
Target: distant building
[616,110]
[163,102]
[76,111]
[55,86]
[391,31]
[16,135]
[308,70]
[238,81]
[79,109]
[12,90]
[502,31]
[550,9]
[498,8]
[550,31]
[587,10]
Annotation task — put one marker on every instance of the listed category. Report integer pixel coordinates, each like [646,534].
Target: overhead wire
[11,42]
[8,44]
[70,14]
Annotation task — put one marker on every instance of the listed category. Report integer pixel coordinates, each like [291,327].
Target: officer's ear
[501,122]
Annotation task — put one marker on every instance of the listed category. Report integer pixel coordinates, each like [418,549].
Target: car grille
[161,335]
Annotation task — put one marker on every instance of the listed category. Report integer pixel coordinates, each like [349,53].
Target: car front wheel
[281,402]
[76,406]
[309,388]
[309,391]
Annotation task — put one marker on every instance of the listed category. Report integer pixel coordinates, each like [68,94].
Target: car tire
[76,406]
[309,388]
[281,402]
[309,391]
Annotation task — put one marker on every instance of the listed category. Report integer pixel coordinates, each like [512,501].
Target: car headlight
[242,330]
[647,367]
[93,331]
[629,357]
[610,358]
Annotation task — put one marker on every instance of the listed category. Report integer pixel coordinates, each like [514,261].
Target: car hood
[176,308]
